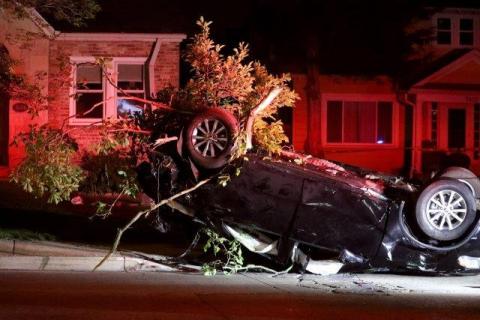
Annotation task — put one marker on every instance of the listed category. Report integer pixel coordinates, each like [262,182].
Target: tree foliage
[234,83]
[75,12]
[228,253]
[47,169]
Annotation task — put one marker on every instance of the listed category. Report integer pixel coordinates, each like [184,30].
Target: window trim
[118,62]
[360,98]
[109,90]
[455,29]
[460,31]
[437,30]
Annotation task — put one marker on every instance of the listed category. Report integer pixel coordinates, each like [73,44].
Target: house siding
[453,85]
[31,55]
[310,136]
[300,114]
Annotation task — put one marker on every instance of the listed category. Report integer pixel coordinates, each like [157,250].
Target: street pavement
[175,295]
[132,293]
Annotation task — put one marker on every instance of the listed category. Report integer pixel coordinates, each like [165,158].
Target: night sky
[286,35]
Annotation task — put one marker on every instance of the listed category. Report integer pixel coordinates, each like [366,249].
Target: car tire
[445,210]
[209,138]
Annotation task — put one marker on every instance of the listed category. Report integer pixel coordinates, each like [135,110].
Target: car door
[264,196]
[335,215]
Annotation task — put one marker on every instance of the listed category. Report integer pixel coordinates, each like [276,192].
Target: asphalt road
[103,295]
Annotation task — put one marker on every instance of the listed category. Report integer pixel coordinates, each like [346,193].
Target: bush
[47,169]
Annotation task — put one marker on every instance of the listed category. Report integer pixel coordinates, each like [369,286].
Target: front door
[456,129]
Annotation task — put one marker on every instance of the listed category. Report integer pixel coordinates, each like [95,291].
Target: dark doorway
[456,128]
[4,99]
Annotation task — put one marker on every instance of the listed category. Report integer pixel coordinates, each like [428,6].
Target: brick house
[139,64]
[374,123]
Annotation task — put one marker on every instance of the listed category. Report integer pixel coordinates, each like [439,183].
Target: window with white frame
[113,92]
[444,31]
[457,29]
[130,85]
[466,32]
[361,122]
[89,89]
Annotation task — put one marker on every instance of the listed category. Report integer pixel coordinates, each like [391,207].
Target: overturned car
[296,208]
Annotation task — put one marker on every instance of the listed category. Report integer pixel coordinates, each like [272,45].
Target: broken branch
[142,213]
[126,96]
[96,105]
[259,267]
[158,105]
[162,141]
[130,130]
[254,113]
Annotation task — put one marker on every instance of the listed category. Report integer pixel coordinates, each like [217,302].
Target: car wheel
[209,138]
[445,210]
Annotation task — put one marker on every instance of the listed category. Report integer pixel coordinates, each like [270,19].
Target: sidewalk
[54,256]
[142,248]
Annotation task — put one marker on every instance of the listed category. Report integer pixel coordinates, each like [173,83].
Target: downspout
[150,84]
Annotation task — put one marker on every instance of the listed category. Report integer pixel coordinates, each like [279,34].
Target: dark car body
[360,218]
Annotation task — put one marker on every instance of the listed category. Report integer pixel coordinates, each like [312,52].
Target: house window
[444,31]
[466,32]
[130,84]
[367,122]
[89,92]
[106,93]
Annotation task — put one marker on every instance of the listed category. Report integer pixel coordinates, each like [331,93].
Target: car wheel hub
[210,138]
[446,210]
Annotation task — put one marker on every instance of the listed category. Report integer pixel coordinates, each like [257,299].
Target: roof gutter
[147,37]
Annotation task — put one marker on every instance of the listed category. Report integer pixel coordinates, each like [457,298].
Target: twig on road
[143,213]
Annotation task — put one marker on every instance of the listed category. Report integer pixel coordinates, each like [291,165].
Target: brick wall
[166,73]
[167,66]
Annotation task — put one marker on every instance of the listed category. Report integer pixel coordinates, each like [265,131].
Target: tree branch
[255,111]
[142,213]
[96,105]
[258,267]
[126,96]
[130,130]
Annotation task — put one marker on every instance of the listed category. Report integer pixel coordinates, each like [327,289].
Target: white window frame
[129,61]
[360,98]
[455,29]
[460,31]
[109,90]
[437,30]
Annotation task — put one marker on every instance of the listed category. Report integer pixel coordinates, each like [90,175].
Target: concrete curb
[117,263]
[48,248]
[50,256]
